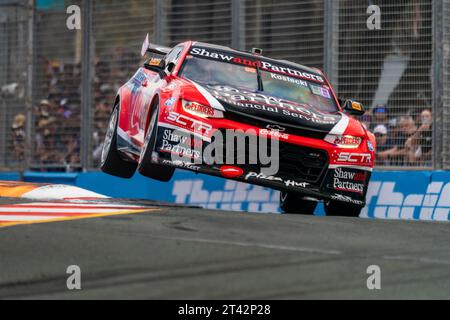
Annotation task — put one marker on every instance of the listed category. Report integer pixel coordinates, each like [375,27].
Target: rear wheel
[292,203]
[334,208]
[111,162]
[146,167]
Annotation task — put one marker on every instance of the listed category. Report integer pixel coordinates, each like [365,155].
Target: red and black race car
[238,115]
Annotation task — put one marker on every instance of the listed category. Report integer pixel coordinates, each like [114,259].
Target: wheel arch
[122,112]
[156,98]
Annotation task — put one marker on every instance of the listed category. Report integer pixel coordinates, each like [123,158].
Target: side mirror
[170,67]
[353,107]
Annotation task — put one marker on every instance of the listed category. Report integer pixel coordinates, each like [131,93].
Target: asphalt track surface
[190,253]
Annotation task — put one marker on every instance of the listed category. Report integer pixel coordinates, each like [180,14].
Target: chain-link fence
[290,30]
[202,20]
[13,82]
[389,71]
[400,72]
[56,112]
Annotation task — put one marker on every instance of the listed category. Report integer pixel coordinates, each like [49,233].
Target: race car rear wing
[153,48]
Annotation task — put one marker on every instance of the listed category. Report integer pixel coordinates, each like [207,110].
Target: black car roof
[250,55]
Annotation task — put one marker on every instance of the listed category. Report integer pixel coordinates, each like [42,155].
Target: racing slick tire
[111,162]
[334,208]
[146,167]
[292,203]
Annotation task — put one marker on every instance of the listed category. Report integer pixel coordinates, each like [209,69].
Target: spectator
[421,142]
[380,115]
[72,151]
[398,149]
[381,135]
[19,136]
[426,131]
[44,108]
[50,150]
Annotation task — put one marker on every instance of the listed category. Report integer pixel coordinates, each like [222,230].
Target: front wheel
[146,167]
[111,161]
[292,203]
[334,208]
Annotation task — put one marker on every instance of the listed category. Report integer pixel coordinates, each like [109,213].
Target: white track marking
[75,204]
[25,210]
[417,259]
[256,245]
[26,218]
[59,191]
[304,249]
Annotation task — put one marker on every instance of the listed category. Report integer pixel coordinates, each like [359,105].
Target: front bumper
[302,170]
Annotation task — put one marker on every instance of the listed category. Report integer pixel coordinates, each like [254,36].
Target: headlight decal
[201,110]
[345,142]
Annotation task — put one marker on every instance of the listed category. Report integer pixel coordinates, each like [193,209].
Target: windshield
[219,73]
[298,90]
[212,72]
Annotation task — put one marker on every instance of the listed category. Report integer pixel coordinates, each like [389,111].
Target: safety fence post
[86,84]
[330,39]
[29,88]
[438,84]
[238,25]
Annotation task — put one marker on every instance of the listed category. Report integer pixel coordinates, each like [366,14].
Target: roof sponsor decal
[244,99]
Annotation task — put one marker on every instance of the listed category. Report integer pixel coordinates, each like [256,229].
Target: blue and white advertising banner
[411,195]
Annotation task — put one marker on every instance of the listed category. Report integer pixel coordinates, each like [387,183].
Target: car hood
[274,110]
[270,108]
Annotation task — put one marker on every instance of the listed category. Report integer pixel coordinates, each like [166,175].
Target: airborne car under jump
[183,98]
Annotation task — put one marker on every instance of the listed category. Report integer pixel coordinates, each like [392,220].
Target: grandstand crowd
[57,116]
